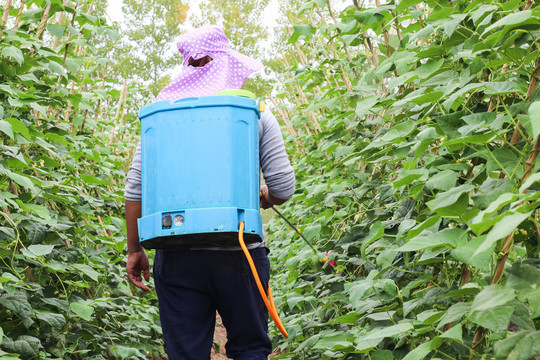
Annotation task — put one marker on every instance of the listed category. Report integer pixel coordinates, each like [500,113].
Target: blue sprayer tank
[200,172]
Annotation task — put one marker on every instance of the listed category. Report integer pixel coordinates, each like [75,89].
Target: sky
[114,10]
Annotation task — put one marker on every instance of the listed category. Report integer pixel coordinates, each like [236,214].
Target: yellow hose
[270,305]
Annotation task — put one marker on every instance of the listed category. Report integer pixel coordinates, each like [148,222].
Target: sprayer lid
[238,92]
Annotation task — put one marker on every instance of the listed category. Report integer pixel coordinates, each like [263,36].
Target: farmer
[192,284]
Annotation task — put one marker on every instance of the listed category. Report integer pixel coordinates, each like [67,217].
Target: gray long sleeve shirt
[277,171]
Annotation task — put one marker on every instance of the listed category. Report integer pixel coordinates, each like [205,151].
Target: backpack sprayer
[200,176]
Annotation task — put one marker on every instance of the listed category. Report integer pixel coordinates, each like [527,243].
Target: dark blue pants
[192,284]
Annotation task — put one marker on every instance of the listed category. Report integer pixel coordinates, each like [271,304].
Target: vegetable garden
[63,290]
[414,130]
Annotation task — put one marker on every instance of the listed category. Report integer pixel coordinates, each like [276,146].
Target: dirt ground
[220,338]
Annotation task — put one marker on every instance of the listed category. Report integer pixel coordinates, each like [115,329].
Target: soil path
[220,338]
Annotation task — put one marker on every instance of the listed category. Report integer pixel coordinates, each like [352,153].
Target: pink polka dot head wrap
[228,69]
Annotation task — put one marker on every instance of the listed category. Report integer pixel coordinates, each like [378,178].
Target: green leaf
[530,180]
[56,321]
[56,29]
[427,98]
[431,223]
[18,303]
[82,310]
[447,237]
[339,341]
[501,87]
[36,209]
[534,114]
[444,180]
[19,127]
[492,296]
[57,69]
[453,202]
[74,64]
[503,159]
[512,19]
[382,355]
[365,104]
[477,253]
[454,313]
[368,17]
[372,338]
[28,77]
[506,226]
[306,30]
[312,231]
[521,346]
[6,128]
[376,231]
[14,52]
[420,351]
[25,345]
[455,333]
[400,130]
[404,4]
[299,30]
[491,190]
[124,352]
[19,179]
[406,177]
[34,251]
[112,33]
[87,270]
[39,108]
[525,279]
[494,319]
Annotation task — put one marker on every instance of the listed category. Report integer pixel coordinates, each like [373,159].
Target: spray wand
[295,229]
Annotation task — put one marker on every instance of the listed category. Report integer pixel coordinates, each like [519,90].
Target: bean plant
[414,130]
[66,141]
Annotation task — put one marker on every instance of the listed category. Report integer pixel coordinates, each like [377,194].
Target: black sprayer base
[198,241]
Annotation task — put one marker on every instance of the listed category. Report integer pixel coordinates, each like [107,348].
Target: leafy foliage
[64,135]
[414,132]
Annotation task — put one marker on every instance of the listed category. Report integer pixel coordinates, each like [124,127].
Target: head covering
[228,69]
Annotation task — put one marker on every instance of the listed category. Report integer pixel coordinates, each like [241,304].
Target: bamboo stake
[300,147]
[344,76]
[6,13]
[118,108]
[105,117]
[396,23]
[531,161]
[303,59]
[19,14]
[345,47]
[68,110]
[534,80]
[290,129]
[60,18]
[43,22]
[311,116]
[121,122]
[529,165]
[385,34]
